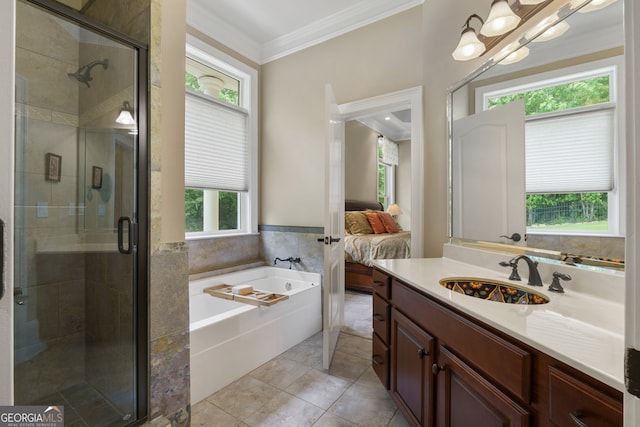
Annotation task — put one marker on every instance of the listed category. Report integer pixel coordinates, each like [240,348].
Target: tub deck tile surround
[347,395]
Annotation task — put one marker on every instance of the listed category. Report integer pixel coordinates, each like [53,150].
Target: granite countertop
[580,329]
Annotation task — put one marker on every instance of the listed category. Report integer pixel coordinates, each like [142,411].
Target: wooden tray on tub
[257,297]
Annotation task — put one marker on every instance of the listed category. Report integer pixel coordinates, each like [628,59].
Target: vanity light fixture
[125,117]
[470,46]
[515,56]
[596,5]
[501,19]
[553,32]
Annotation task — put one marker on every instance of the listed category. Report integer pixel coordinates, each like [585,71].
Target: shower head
[83,75]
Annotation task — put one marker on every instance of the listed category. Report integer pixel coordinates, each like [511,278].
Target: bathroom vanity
[449,359]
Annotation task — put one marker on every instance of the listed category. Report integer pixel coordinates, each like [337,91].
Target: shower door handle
[121,247]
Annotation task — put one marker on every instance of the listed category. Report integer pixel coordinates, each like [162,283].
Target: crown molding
[363,13]
[205,20]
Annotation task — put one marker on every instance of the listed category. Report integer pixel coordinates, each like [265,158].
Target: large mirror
[537,142]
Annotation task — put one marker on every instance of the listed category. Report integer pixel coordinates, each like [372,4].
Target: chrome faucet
[534,275]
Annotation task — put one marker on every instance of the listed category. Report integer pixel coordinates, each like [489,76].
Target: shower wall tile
[65,118]
[130,17]
[59,267]
[72,307]
[59,43]
[56,92]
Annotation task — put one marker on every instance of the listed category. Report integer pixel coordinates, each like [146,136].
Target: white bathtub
[229,339]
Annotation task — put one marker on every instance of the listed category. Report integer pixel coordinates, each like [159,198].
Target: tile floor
[293,390]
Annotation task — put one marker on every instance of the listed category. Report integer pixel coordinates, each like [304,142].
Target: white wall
[361,162]
[381,58]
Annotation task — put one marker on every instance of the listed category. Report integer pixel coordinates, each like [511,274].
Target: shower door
[79,333]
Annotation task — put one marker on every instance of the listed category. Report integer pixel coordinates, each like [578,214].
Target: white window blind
[216,145]
[571,153]
[389,152]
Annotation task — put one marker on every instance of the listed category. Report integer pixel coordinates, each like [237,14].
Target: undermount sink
[493,290]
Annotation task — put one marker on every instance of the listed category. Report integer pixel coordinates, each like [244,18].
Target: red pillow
[376,222]
[389,223]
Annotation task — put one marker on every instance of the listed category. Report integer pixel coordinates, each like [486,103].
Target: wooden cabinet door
[411,377]
[465,398]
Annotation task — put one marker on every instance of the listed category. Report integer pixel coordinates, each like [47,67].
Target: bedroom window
[220,144]
[387,161]
[573,170]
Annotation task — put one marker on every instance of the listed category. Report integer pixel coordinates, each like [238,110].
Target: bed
[370,233]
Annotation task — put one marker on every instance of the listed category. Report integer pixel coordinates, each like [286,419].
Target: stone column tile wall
[223,254]
[168,276]
[169,334]
[293,241]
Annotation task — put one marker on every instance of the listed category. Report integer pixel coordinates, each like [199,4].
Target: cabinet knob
[422,353]
[377,360]
[576,417]
[435,369]
[378,317]
[378,283]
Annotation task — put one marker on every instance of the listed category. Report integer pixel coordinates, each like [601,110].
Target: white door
[489,175]
[7,67]
[333,282]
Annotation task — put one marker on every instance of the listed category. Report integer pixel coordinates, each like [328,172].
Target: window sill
[205,236]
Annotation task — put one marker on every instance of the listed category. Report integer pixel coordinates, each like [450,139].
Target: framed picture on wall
[53,167]
[96,180]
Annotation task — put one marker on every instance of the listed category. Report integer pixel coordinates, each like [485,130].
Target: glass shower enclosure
[77,323]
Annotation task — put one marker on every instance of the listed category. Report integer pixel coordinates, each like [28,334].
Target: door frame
[407,98]
[7,167]
[141,237]
[632,248]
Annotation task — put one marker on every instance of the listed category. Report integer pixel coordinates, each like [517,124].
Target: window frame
[615,69]
[247,100]
[389,182]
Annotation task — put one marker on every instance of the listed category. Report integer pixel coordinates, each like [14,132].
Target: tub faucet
[291,260]
[534,275]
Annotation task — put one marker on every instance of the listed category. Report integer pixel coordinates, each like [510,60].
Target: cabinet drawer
[381,318]
[504,363]
[572,401]
[380,360]
[381,284]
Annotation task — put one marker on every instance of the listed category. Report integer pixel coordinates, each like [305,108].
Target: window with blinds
[572,158]
[571,153]
[220,158]
[216,145]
